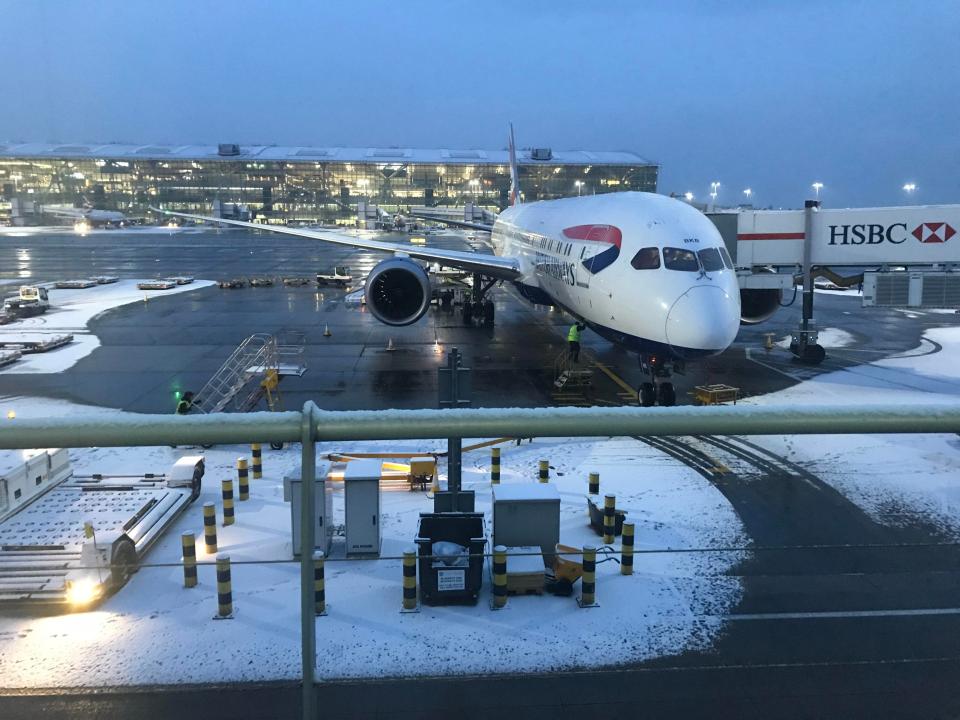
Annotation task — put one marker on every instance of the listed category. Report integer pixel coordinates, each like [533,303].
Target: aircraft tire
[647,396]
[814,355]
[666,395]
[488,314]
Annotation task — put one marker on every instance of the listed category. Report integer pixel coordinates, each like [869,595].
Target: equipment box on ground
[361,488]
[527,514]
[450,557]
[323,509]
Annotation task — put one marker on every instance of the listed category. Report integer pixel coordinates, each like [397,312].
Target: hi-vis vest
[574,334]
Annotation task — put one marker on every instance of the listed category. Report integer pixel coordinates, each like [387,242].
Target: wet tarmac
[149,350]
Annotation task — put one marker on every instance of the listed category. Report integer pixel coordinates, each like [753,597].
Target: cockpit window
[710,260]
[646,259]
[726,258]
[677,259]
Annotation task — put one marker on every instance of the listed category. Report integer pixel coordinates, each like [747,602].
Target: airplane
[85,214]
[644,271]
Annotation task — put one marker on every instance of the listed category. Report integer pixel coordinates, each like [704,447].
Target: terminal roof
[300,154]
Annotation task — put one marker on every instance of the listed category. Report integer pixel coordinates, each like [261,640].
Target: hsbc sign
[895,233]
[853,237]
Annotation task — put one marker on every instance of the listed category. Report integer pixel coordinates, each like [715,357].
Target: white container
[323,509]
[361,487]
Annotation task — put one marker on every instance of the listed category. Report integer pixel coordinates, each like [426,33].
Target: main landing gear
[477,308]
[658,390]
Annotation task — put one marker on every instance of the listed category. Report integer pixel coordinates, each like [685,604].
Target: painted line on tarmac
[844,614]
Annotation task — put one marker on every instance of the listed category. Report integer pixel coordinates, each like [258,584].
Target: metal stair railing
[252,358]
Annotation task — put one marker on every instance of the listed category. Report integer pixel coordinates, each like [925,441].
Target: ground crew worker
[573,338]
[186,402]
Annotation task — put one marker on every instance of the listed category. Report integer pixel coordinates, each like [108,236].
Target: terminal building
[305,184]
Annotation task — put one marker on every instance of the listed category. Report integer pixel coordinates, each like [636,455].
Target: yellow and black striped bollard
[226,489]
[593,485]
[609,518]
[224,588]
[243,478]
[319,585]
[210,527]
[495,466]
[409,580]
[257,453]
[189,546]
[544,471]
[626,550]
[588,584]
[499,577]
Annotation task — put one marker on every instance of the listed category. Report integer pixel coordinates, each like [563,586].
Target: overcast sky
[861,96]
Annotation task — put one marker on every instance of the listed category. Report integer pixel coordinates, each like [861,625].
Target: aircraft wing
[502,268]
[484,227]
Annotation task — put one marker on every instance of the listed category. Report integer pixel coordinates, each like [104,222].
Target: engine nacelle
[758,305]
[398,291]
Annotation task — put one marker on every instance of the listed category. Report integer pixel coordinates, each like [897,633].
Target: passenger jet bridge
[902,256]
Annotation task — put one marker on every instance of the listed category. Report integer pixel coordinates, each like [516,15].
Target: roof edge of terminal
[313,154]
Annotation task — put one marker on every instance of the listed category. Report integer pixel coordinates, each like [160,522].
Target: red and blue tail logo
[602,234]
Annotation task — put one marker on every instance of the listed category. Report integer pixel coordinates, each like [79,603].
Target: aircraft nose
[704,318]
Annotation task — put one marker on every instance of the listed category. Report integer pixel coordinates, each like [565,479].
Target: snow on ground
[70,313]
[828,338]
[155,631]
[892,477]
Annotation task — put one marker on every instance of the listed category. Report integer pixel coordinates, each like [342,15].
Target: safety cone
[326,331]
[390,346]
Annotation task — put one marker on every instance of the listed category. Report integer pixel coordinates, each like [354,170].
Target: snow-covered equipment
[73,539]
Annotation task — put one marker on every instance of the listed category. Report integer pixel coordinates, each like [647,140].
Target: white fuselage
[584,254]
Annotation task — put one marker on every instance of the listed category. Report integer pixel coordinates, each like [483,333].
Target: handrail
[119,429]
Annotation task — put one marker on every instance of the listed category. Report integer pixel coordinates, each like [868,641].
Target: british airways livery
[645,271]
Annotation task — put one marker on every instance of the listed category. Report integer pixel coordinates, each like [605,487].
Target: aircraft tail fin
[514,171]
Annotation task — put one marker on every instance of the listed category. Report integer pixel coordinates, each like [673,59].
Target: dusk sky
[861,96]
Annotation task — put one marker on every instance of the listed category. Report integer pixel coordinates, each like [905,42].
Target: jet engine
[758,305]
[398,291]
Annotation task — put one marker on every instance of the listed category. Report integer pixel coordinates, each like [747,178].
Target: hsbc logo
[933,232]
[896,233]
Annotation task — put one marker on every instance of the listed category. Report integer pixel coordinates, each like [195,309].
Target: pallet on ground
[525,570]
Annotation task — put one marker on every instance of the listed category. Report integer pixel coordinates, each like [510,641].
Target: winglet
[514,171]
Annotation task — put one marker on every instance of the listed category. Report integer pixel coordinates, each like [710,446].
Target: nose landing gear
[658,390]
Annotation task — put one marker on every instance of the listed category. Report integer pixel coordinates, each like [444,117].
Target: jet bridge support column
[804,344]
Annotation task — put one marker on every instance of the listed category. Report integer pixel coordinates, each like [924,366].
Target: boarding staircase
[253,371]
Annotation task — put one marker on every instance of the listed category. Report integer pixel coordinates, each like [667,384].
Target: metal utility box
[323,509]
[361,488]
[527,514]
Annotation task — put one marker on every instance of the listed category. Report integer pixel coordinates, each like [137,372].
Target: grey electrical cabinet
[527,514]
[361,488]
[323,509]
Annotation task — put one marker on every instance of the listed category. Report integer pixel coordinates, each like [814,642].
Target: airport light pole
[688,196]
[579,184]
[749,193]
[714,191]
[817,186]
[910,189]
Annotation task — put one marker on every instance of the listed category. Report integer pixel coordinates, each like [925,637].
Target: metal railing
[312,424]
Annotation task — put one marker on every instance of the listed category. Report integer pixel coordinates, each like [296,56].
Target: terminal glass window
[677,259]
[710,260]
[646,259]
